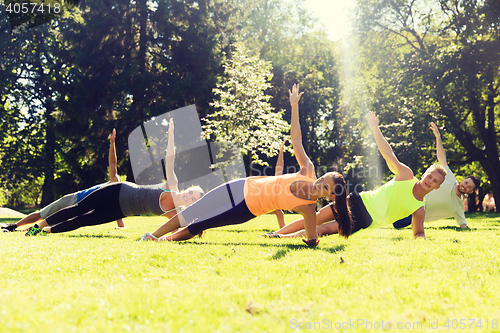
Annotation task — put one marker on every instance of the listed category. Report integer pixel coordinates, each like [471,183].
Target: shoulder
[307,173]
[420,212]
[405,174]
[307,209]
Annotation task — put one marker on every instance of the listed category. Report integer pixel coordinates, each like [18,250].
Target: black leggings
[224,205]
[99,207]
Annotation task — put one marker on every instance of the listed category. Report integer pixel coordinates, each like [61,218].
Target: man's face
[431,180]
[466,186]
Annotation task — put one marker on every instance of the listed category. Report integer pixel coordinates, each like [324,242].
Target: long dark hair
[343,215]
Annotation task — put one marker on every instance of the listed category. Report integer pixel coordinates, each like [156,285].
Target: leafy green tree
[29,141]
[130,61]
[243,114]
[284,34]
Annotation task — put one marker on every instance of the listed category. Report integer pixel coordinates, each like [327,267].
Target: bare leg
[120,224]
[325,229]
[43,224]
[179,235]
[31,218]
[324,215]
[171,225]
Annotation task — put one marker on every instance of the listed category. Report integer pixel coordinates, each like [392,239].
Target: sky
[334,14]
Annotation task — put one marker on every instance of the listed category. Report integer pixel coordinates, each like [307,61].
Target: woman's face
[190,196]
[325,185]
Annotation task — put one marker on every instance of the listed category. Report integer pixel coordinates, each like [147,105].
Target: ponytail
[340,206]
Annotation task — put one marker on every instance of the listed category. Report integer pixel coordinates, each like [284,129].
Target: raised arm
[401,171]
[278,171]
[306,166]
[441,154]
[169,159]
[112,168]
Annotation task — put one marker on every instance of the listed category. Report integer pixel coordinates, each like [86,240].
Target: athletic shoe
[148,237]
[33,231]
[271,234]
[9,227]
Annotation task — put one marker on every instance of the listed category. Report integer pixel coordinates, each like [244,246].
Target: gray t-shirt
[444,202]
[140,199]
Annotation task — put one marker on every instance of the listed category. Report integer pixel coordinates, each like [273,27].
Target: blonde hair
[439,168]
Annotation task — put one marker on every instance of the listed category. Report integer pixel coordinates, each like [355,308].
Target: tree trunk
[472,207]
[481,198]
[49,160]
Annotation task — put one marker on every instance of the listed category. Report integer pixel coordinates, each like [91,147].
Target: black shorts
[359,215]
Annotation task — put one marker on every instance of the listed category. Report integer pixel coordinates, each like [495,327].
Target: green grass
[102,280]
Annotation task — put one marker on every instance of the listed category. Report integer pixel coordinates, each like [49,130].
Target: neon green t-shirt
[391,202]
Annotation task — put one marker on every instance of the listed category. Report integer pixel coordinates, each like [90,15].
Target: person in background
[118,200]
[72,198]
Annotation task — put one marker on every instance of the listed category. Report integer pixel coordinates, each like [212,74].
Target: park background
[67,83]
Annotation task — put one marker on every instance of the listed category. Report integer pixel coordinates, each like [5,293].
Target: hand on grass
[311,242]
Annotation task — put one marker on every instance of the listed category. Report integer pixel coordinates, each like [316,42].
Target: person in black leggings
[118,200]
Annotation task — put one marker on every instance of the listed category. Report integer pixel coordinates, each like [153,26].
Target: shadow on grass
[246,231]
[481,215]
[461,229]
[333,250]
[96,236]
[279,254]
[283,249]
[9,219]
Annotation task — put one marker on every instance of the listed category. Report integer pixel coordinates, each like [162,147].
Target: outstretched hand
[372,120]
[435,129]
[283,146]
[112,137]
[171,125]
[294,95]
[170,147]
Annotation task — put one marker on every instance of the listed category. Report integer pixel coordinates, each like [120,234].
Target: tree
[30,142]
[243,114]
[130,61]
[284,34]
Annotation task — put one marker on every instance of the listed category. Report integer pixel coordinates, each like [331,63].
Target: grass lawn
[99,279]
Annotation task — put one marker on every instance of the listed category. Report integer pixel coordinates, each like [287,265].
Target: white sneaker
[148,237]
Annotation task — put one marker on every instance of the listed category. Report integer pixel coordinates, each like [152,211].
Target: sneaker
[33,231]
[9,227]
[271,234]
[148,237]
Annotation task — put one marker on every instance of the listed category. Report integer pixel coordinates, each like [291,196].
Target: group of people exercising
[403,201]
